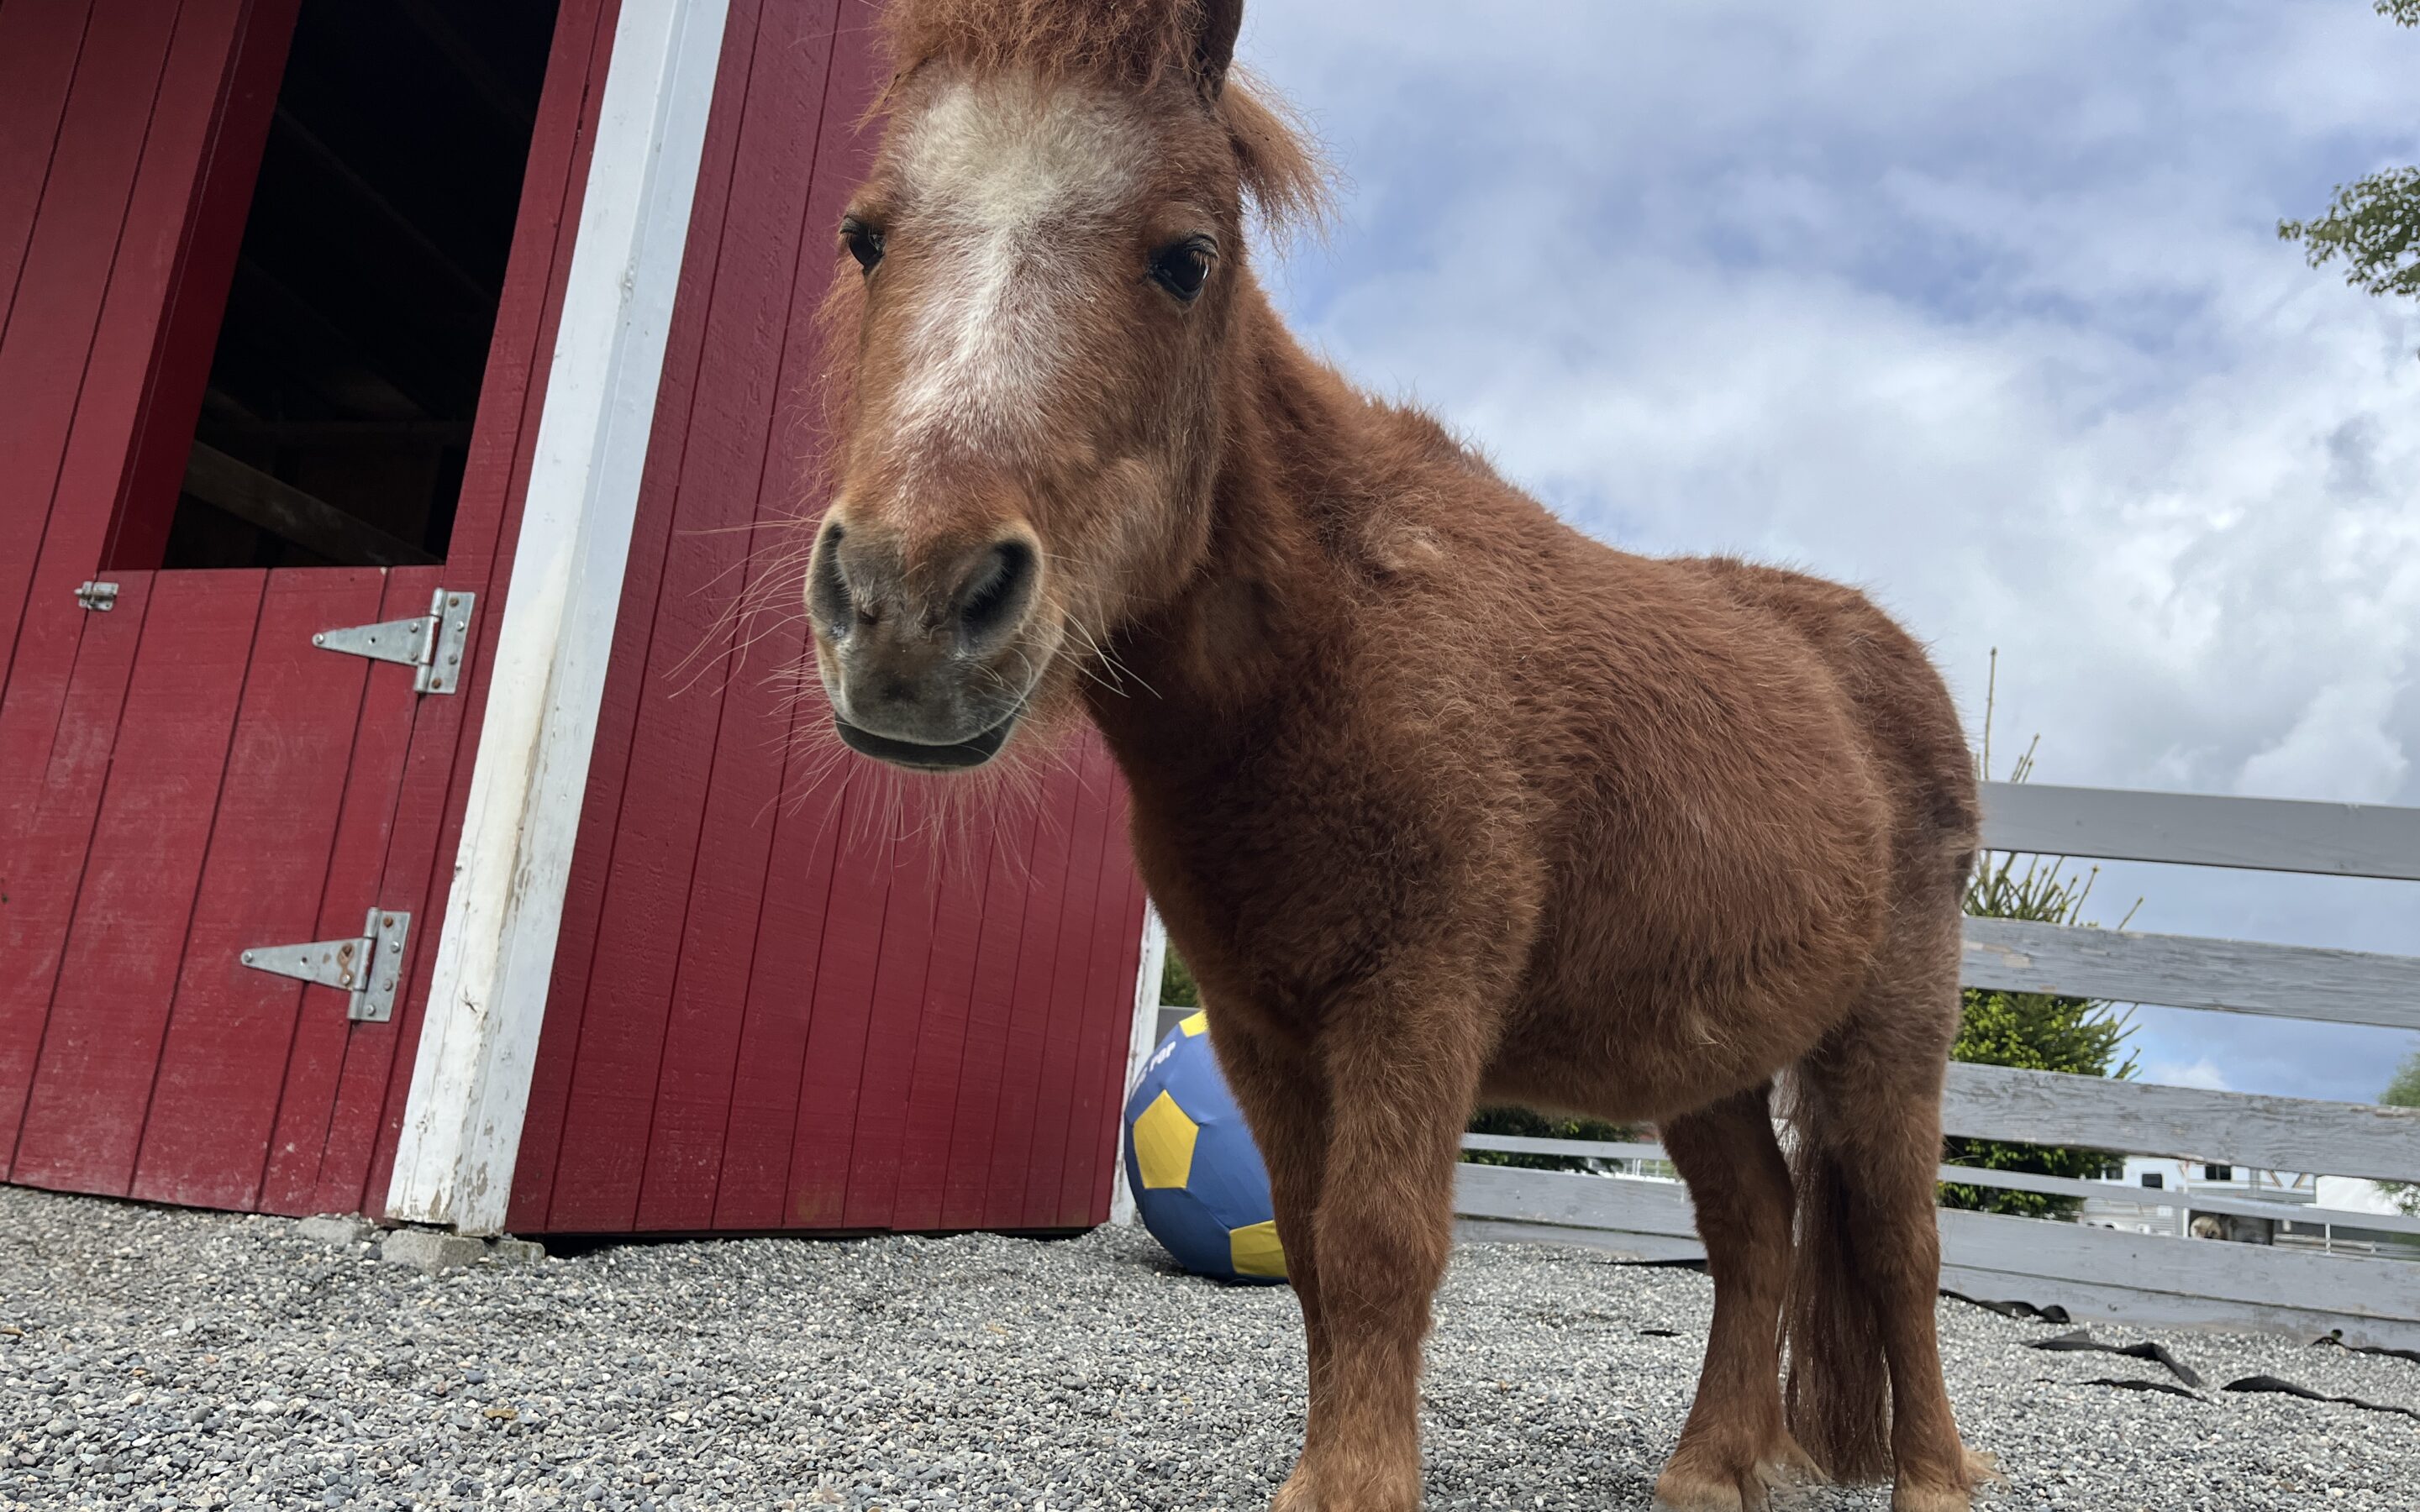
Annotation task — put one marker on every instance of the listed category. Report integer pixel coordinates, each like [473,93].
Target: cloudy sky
[1980,307]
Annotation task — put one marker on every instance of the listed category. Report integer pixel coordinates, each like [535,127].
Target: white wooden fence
[2097,1272]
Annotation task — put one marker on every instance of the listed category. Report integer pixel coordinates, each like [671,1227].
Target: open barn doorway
[336,420]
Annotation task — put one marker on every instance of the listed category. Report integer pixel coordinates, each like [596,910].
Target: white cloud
[1982,308]
[2201,1074]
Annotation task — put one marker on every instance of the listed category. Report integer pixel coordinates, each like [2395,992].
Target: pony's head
[1034,325]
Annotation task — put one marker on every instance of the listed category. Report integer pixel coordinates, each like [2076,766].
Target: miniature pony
[1445,803]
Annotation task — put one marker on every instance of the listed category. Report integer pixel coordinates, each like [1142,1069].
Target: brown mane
[1285,174]
[1128,46]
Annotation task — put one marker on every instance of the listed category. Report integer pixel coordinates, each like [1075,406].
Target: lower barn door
[303,257]
[235,785]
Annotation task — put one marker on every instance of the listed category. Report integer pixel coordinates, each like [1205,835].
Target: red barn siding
[776,1005]
[185,775]
[776,1002]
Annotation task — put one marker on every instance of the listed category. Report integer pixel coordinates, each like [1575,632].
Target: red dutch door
[260,457]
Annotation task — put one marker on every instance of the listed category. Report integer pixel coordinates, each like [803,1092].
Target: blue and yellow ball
[1196,1176]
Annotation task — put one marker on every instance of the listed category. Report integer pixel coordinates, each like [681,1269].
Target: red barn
[395,398]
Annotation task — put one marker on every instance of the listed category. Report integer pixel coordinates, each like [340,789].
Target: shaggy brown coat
[1445,803]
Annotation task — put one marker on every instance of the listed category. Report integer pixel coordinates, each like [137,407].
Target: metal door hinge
[369,967]
[434,642]
[100,596]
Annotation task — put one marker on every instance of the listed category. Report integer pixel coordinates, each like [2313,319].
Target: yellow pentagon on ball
[1254,1250]
[1163,1143]
[1193,1024]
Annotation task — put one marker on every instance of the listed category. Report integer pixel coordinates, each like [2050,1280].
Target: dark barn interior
[346,377]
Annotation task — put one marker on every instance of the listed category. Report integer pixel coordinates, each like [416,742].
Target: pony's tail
[1836,1394]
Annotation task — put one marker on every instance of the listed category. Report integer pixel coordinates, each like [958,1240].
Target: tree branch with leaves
[2373,225]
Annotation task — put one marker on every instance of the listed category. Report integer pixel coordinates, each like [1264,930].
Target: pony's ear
[1216,22]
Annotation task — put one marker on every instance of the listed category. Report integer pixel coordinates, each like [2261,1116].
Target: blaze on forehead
[1127,46]
[1001,153]
[1133,43]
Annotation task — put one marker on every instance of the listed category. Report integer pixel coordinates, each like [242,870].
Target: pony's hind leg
[1868,1255]
[1735,1445]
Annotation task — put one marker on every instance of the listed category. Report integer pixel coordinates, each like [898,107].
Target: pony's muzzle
[921,651]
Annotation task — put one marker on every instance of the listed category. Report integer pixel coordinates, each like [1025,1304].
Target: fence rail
[2310,1214]
[2277,1133]
[2346,840]
[2180,971]
[2093,1273]
[2096,1272]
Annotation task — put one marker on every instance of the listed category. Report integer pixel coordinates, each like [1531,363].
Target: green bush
[1176,985]
[2404,1092]
[1529,1125]
[2033,1031]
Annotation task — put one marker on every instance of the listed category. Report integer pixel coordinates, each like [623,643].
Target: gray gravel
[152,1358]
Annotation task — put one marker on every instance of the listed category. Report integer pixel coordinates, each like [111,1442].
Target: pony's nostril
[998,592]
[828,596]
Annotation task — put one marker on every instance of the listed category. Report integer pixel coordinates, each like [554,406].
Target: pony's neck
[1304,458]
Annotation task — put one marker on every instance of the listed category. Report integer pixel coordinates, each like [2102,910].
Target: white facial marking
[1013,186]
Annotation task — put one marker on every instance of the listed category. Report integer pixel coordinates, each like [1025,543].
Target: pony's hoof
[1695,1486]
[1977,1470]
[1695,1490]
[1305,1492]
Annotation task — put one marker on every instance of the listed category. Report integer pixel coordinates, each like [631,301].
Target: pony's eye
[1183,268]
[863,242]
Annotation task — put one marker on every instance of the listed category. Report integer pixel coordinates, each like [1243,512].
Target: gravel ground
[151,1358]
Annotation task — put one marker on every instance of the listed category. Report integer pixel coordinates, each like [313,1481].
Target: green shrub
[2033,1031]
[1176,985]
[2404,1092]
[1529,1125]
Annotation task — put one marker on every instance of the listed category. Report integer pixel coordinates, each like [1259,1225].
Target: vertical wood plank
[1065,1005]
[57,294]
[929,1121]
[84,309]
[1114,935]
[429,817]
[1029,1023]
[324,1036]
[854,916]
[1000,942]
[199,277]
[1098,1197]
[134,909]
[614,968]
[57,289]
[774,268]
[801,873]
[222,1054]
[51,820]
[39,46]
[62,276]
[894,1020]
[91,299]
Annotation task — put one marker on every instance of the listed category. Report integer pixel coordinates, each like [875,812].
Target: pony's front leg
[1279,1085]
[1399,1084]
